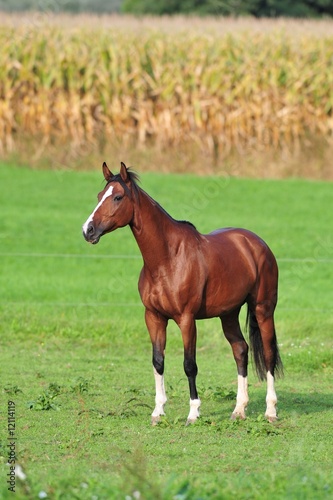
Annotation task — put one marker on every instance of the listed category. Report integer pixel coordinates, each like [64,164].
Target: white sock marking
[107,193]
[242,397]
[160,398]
[271,398]
[194,410]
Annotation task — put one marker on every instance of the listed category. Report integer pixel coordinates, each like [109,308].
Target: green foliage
[258,8]
[289,8]
[12,390]
[201,7]
[218,393]
[46,400]
[74,6]
[80,386]
[49,400]
[157,7]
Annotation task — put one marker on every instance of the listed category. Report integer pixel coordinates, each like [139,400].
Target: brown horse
[188,276]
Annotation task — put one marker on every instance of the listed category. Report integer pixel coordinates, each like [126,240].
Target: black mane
[187,222]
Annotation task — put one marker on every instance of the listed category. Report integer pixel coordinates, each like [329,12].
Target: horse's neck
[152,228]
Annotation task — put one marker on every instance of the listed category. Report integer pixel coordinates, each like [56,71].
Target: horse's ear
[107,173]
[123,172]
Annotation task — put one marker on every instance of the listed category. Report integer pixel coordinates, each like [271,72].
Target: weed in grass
[218,393]
[260,427]
[80,386]
[12,390]
[46,400]
[94,412]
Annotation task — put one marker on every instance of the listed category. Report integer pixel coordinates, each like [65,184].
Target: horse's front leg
[189,334]
[156,325]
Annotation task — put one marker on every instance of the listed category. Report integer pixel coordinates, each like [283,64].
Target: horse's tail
[257,348]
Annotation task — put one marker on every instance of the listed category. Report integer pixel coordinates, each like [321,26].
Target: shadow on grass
[289,404]
[313,402]
[293,402]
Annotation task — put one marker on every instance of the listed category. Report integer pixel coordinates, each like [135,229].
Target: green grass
[76,357]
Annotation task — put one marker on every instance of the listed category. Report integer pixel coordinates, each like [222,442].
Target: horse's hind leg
[262,303]
[233,334]
[265,320]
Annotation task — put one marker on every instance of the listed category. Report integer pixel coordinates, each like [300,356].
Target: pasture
[76,357]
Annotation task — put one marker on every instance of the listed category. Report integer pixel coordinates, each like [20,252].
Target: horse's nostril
[90,230]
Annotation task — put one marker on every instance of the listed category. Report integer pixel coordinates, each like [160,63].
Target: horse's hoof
[155,420]
[271,419]
[237,416]
[190,421]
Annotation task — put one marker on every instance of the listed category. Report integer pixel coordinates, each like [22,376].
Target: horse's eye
[118,198]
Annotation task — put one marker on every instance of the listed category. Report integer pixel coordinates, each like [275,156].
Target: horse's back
[225,233]
[240,243]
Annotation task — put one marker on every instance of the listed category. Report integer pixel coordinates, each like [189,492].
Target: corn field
[243,90]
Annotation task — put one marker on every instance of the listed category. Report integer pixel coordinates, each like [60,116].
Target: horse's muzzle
[90,234]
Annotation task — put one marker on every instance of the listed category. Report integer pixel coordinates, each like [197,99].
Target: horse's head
[115,206]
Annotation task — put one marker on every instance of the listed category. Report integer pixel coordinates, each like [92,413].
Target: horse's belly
[213,309]
[225,292]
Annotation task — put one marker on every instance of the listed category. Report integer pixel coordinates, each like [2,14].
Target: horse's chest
[158,298]
[167,295]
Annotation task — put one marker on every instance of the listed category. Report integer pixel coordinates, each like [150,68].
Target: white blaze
[107,193]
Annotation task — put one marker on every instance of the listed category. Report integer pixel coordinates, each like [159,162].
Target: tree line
[257,8]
